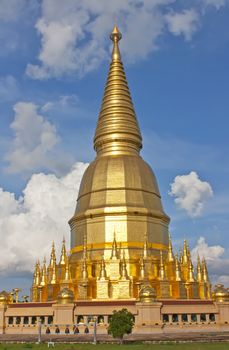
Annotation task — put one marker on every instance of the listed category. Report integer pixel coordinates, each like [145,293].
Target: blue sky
[53,66]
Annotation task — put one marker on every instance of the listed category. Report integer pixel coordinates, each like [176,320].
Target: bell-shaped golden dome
[147,294]
[119,191]
[220,293]
[65,296]
[4,298]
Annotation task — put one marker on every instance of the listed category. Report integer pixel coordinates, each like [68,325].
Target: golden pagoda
[120,244]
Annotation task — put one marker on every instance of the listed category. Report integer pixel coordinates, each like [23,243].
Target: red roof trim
[25,305]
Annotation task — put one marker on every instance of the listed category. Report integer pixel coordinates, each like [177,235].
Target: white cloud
[74,34]
[210,253]
[183,23]
[28,225]
[34,142]
[9,89]
[216,3]
[218,266]
[191,193]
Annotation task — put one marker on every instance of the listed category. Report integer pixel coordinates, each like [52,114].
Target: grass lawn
[169,346]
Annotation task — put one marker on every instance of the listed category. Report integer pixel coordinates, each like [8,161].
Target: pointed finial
[67,272]
[199,275]
[205,271]
[124,274]
[84,270]
[53,256]
[162,276]
[84,246]
[142,269]
[185,252]
[103,273]
[44,274]
[115,36]
[63,253]
[114,251]
[170,256]
[177,268]
[191,277]
[145,247]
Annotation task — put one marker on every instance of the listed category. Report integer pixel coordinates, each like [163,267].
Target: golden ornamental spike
[84,270]
[117,130]
[53,256]
[162,275]
[170,256]
[177,269]
[43,274]
[205,271]
[191,277]
[67,271]
[185,253]
[63,253]
[124,274]
[114,251]
[103,274]
[145,248]
[54,278]
[142,269]
[199,274]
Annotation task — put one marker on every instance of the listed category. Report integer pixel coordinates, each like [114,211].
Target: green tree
[121,323]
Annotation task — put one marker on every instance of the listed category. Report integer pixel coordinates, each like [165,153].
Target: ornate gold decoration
[119,232]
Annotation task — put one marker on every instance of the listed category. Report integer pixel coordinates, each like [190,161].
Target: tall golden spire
[67,272]
[170,256]
[145,248]
[53,256]
[185,253]
[44,274]
[142,269]
[205,271]
[191,277]
[63,255]
[117,129]
[177,267]
[124,274]
[114,251]
[199,276]
[103,274]
[162,275]
[38,273]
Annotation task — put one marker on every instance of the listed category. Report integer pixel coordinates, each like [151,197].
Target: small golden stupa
[120,243]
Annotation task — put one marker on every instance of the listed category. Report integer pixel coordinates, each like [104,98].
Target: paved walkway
[71,338]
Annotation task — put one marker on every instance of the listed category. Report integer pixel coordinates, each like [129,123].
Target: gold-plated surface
[65,296]
[120,246]
[147,294]
[220,293]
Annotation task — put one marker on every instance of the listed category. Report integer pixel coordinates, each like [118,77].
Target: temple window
[193,318]
[174,318]
[165,318]
[26,320]
[34,320]
[100,319]
[42,319]
[18,320]
[203,317]
[184,318]
[11,320]
[50,320]
[212,317]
